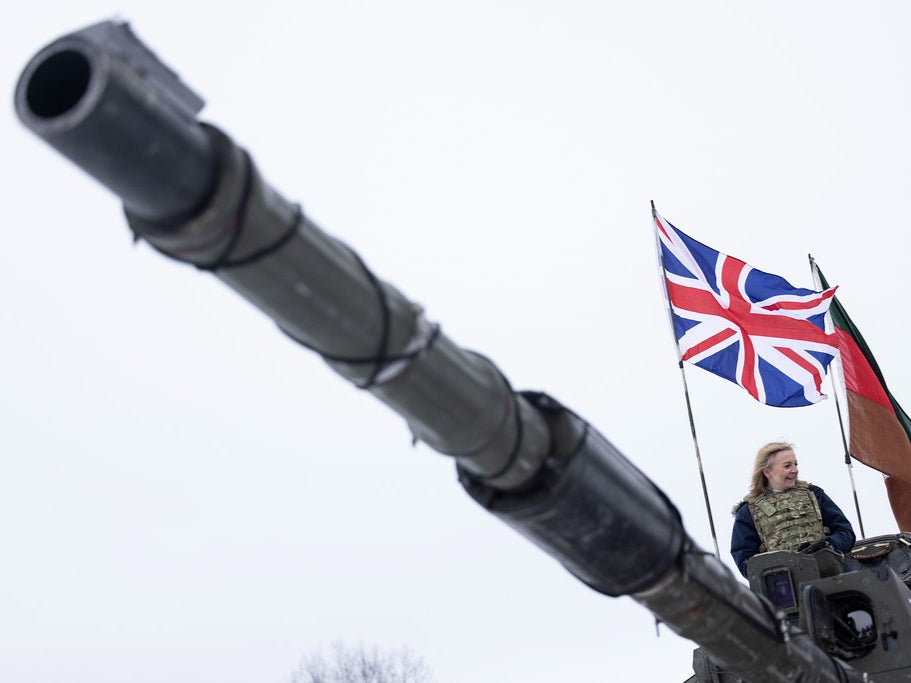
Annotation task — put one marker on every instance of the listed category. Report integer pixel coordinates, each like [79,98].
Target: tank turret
[104,100]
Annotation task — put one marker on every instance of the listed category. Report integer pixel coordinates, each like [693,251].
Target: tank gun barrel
[102,99]
[101,82]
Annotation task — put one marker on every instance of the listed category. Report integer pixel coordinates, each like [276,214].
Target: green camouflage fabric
[786,519]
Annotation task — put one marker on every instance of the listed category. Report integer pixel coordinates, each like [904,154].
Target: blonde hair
[759,482]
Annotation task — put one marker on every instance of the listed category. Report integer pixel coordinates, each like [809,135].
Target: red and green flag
[880,431]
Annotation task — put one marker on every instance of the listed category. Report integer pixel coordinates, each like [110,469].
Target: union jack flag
[745,325]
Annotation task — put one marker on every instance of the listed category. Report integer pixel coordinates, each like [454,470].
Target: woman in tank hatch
[781,512]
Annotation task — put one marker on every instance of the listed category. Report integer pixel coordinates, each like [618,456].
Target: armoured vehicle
[104,100]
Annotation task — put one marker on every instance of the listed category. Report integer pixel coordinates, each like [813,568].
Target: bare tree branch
[360,664]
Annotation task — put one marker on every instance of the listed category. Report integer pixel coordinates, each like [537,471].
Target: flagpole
[841,422]
[686,393]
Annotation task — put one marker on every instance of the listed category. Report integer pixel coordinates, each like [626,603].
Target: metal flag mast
[841,423]
[686,391]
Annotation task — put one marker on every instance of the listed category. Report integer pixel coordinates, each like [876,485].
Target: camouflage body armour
[785,520]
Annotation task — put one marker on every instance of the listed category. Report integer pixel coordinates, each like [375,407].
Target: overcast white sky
[186,495]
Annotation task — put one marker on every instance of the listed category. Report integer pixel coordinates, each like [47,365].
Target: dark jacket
[745,540]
